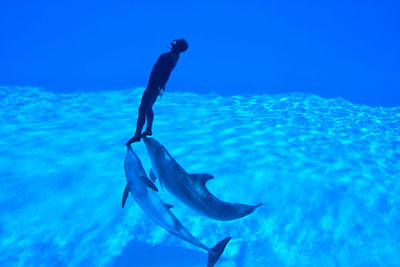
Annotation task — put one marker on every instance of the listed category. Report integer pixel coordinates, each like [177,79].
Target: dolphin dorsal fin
[201,178]
[153,175]
[168,206]
[149,183]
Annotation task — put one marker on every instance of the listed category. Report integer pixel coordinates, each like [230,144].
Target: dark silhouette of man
[156,86]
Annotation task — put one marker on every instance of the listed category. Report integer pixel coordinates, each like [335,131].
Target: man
[156,86]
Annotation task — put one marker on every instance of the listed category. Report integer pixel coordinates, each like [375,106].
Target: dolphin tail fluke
[216,252]
[125,195]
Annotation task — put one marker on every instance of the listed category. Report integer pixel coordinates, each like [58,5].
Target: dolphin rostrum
[145,193]
[191,188]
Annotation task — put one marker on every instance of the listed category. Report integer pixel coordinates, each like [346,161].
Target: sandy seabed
[327,169]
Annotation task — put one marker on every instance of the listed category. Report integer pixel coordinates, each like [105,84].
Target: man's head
[179,45]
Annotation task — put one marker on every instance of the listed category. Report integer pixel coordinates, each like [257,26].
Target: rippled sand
[327,169]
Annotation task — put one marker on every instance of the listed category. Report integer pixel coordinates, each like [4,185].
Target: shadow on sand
[142,254]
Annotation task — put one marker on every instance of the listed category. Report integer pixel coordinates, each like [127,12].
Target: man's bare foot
[147,133]
[133,139]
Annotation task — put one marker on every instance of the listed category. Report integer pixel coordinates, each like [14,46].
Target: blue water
[327,169]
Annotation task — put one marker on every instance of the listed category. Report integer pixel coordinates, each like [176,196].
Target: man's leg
[150,117]
[139,126]
[149,125]
[148,99]
[144,105]
[140,121]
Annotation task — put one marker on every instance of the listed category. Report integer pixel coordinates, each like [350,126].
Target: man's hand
[161,90]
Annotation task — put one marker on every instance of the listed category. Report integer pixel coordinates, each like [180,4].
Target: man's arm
[165,64]
[164,81]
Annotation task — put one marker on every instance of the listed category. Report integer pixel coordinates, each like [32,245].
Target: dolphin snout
[150,145]
[146,141]
[150,142]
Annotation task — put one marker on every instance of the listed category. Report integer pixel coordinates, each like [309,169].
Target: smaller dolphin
[191,188]
[144,192]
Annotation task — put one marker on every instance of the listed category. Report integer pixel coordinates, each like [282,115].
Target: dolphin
[191,188]
[145,193]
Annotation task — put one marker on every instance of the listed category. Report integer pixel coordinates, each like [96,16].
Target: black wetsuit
[158,78]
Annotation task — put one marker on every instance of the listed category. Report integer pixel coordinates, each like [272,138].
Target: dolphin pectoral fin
[201,178]
[149,183]
[125,194]
[152,175]
[162,187]
[168,206]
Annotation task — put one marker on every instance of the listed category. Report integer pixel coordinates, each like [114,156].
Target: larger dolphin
[145,193]
[191,188]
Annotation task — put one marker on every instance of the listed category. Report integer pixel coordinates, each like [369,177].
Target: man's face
[173,43]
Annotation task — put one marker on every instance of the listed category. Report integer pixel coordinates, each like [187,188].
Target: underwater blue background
[341,48]
[294,104]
